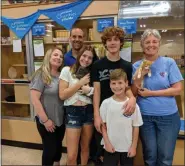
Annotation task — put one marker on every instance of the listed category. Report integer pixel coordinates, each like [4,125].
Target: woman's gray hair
[149,32]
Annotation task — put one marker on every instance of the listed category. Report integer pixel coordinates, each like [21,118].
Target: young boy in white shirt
[120,132]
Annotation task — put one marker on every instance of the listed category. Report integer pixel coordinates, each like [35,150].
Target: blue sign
[39,30]
[21,26]
[67,15]
[129,25]
[104,23]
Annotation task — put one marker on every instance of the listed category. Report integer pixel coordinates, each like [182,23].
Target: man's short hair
[117,74]
[74,29]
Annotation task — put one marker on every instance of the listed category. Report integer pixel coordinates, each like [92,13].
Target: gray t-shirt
[50,100]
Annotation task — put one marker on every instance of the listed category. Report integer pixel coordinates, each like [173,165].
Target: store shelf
[10,45]
[21,65]
[15,81]
[160,29]
[6,102]
[6,44]
[50,43]
[6,79]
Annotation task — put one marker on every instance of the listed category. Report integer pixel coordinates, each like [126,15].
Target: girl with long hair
[75,90]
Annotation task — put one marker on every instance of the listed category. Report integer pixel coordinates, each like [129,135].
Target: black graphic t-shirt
[101,71]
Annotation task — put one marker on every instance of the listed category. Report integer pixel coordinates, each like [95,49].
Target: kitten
[145,64]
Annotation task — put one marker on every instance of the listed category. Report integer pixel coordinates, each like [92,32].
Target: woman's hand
[144,92]
[85,80]
[129,106]
[85,89]
[49,125]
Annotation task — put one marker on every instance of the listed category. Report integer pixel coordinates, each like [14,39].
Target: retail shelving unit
[15,99]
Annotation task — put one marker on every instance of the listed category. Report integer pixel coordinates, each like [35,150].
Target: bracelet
[46,121]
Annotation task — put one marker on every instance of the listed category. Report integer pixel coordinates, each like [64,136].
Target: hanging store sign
[104,23]
[21,26]
[39,30]
[68,14]
[65,15]
[129,25]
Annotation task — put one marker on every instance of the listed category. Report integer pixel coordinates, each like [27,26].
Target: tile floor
[22,156]
[11,155]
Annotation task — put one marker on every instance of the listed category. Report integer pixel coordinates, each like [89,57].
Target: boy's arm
[133,147]
[135,136]
[104,133]
[96,103]
[108,145]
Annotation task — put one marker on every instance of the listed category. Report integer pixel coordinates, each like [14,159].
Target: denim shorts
[77,116]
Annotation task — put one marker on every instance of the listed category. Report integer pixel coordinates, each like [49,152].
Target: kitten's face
[81,72]
[147,63]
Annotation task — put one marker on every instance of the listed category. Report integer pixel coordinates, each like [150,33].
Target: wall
[23,131]
[101,8]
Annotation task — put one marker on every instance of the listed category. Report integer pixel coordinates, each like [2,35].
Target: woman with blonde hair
[75,90]
[48,106]
[157,102]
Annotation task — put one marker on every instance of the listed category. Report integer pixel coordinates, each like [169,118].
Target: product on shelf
[12,72]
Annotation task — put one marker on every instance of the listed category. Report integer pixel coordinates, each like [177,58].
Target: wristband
[45,121]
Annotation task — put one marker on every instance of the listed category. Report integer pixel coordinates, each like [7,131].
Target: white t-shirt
[66,76]
[119,127]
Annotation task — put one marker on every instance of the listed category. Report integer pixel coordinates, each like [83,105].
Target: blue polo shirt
[164,72]
[69,59]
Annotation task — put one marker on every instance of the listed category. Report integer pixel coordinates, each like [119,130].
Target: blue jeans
[158,136]
[77,116]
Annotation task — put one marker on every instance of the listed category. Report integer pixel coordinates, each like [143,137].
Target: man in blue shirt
[76,40]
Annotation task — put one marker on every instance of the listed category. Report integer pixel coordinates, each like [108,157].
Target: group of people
[101,108]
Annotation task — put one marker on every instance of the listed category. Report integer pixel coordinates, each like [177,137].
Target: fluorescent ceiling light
[146,2]
[161,8]
[147,8]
